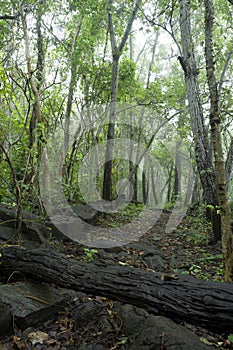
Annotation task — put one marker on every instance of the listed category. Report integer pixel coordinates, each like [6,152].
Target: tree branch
[19,214]
[221,81]
[110,27]
[129,25]
[9,17]
[183,64]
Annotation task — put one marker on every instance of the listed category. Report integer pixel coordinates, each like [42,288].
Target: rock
[155,332]
[86,312]
[32,227]
[161,333]
[30,305]
[36,230]
[131,318]
[7,233]
[85,346]
[154,260]
[86,213]
[6,321]
[8,214]
[152,256]
[65,223]
[144,245]
[114,250]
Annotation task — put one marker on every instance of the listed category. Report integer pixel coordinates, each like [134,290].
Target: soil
[185,250]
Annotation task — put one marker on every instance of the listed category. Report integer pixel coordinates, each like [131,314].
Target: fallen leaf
[37,337]
[205,341]
[169,277]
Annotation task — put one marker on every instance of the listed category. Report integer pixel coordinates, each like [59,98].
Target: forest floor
[185,250]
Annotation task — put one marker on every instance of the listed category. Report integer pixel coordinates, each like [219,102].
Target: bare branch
[9,17]
[221,81]
[152,22]
[129,25]
[110,27]
[19,214]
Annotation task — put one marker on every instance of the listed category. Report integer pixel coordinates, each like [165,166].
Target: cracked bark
[200,135]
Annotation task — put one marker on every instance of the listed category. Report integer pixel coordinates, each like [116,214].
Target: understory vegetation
[125,107]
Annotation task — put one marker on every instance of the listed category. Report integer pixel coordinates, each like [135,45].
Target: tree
[229,164]
[215,125]
[74,56]
[116,54]
[200,134]
[36,112]
[72,83]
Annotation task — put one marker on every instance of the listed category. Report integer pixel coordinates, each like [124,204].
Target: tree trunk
[151,64]
[18,195]
[36,113]
[229,164]
[200,135]
[169,184]
[154,187]
[116,54]
[73,74]
[107,184]
[177,180]
[215,124]
[37,126]
[208,304]
[145,186]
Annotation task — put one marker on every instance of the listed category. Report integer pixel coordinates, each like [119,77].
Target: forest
[116,174]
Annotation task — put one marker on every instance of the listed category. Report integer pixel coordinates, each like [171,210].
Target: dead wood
[207,304]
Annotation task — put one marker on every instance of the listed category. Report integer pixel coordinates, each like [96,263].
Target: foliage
[89,254]
[121,217]
[150,76]
[196,232]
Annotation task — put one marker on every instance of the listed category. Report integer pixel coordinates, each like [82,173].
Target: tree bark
[215,124]
[72,83]
[116,54]
[36,113]
[18,195]
[229,164]
[200,135]
[107,183]
[145,186]
[132,136]
[208,304]
[177,180]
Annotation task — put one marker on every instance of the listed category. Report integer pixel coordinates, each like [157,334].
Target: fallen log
[207,304]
